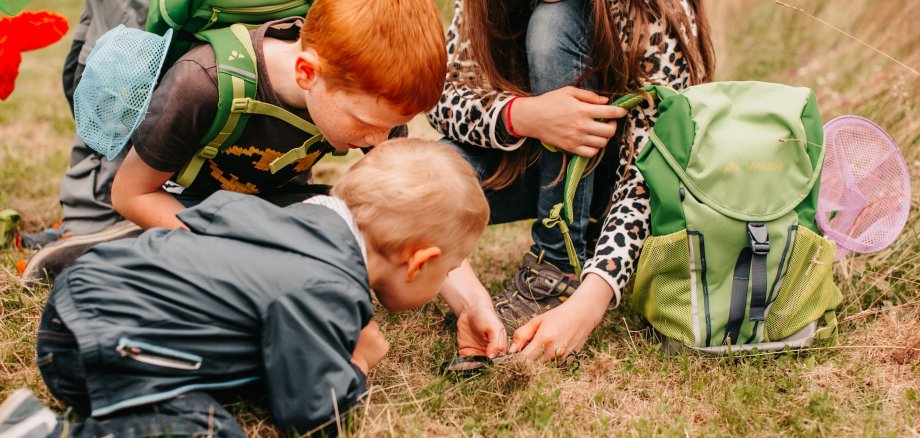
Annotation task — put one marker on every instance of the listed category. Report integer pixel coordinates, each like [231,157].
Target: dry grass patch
[868,385]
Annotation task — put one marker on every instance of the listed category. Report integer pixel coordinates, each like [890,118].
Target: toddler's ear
[416,259]
[305,68]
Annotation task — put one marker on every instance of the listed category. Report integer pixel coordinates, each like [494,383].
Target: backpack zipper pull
[213,19]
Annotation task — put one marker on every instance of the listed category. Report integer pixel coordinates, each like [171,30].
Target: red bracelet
[510,126]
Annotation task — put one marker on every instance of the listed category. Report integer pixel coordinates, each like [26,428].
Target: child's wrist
[359,362]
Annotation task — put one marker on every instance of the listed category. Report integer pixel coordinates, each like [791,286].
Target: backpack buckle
[239,105]
[759,237]
[208,152]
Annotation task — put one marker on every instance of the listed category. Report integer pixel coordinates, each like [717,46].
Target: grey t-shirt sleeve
[181,111]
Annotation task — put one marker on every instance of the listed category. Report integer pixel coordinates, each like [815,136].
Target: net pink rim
[845,242]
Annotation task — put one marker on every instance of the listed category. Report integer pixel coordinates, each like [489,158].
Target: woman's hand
[566,119]
[564,329]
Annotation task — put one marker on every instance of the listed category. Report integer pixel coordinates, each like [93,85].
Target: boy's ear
[416,259]
[305,68]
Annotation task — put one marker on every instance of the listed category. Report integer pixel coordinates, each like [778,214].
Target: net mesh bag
[113,94]
[864,197]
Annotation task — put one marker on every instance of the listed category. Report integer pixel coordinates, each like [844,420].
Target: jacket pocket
[157,355]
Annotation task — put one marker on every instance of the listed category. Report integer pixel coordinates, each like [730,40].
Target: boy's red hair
[391,48]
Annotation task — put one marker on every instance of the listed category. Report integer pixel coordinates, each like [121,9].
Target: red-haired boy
[355,69]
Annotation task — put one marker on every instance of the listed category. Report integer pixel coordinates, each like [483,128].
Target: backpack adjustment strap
[760,246]
[295,154]
[252,106]
[750,271]
[738,305]
[563,211]
[237,78]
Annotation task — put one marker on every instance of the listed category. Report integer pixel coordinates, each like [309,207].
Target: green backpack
[225,25]
[735,259]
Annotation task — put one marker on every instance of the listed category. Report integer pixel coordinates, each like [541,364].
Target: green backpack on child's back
[105,121]
[735,259]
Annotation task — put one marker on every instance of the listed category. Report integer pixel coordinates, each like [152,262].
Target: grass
[868,385]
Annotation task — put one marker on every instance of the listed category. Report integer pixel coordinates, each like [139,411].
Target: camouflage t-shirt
[183,107]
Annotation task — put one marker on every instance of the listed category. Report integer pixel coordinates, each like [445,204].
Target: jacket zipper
[126,348]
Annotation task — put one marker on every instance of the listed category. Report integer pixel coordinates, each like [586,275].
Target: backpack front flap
[732,169]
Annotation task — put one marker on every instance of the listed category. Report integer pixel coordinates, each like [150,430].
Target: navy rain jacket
[254,293]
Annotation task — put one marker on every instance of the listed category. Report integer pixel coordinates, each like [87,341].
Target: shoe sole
[39,423]
[12,402]
[70,249]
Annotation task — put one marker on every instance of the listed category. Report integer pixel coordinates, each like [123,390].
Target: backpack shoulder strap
[237,82]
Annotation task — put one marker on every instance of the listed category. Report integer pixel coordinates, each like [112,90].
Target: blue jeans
[558,47]
[191,414]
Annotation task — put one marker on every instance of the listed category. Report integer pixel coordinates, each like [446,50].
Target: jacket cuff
[510,143]
[610,281]
[362,379]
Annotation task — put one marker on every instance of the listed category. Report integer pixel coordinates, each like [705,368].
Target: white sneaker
[24,416]
[49,261]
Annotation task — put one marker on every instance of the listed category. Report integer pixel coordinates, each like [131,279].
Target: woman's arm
[468,114]
[605,276]
[564,118]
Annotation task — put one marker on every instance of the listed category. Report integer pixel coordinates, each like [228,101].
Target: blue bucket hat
[113,94]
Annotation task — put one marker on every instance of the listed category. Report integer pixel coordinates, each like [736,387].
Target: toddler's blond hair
[410,192]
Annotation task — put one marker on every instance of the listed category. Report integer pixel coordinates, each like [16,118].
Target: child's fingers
[471,351]
[498,343]
[588,96]
[524,334]
[534,351]
[595,141]
[607,112]
[585,150]
[602,129]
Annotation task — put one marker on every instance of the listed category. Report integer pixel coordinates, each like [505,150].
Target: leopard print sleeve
[627,223]
[468,114]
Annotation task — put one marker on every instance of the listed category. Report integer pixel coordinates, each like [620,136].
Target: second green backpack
[735,259]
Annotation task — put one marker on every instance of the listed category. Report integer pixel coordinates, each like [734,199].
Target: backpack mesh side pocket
[662,292]
[807,289]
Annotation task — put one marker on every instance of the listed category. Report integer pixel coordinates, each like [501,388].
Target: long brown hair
[496,31]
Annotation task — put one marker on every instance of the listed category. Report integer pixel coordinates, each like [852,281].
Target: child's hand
[371,348]
[480,332]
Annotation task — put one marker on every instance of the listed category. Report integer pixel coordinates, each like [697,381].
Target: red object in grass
[24,32]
